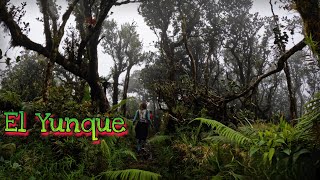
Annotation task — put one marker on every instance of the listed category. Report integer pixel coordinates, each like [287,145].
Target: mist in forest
[224,89]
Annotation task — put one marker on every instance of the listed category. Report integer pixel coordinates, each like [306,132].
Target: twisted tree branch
[280,66]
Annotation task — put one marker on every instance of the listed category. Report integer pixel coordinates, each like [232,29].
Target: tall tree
[21,77]
[54,32]
[310,14]
[280,40]
[134,56]
[125,48]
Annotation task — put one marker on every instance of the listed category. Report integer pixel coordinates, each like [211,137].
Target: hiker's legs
[143,142]
[138,144]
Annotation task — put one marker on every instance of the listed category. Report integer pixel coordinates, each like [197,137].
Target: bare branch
[65,18]
[105,8]
[20,39]
[280,66]
[126,2]
[47,31]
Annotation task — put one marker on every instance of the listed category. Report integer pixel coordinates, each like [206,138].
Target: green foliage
[308,125]
[275,152]
[158,139]
[86,96]
[257,150]
[225,131]
[312,44]
[25,78]
[131,174]
[9,100]
[7,150]
[115,108]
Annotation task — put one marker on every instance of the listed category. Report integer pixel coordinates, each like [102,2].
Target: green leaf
[160,138]
[237,176]
[270,142]
[129,153]
[297,154]
[262,142]
[32,178]
[217,177]
[271,153]
[131,174]
[280,141]
[265,157]
[253,150]
[287,151]
[105,149]
[122,102]
[225,131]
[15,165]
[309,120]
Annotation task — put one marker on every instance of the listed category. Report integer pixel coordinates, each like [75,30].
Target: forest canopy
[234,93]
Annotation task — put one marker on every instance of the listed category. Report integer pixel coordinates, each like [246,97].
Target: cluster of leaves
[277,151]
[68,157]
[254,150]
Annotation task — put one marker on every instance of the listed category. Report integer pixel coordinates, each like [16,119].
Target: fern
[313,45]
[225,131]
[159,139]
[126,152]
[219,139]
[131,174]
[247,131]
[117,106]
[105,149]
[307,125]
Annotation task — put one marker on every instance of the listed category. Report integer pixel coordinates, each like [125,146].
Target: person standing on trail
[142,116]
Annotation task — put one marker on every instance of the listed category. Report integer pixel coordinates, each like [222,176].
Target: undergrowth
[209,150]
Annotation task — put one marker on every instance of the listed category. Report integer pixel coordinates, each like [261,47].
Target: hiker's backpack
[143,116]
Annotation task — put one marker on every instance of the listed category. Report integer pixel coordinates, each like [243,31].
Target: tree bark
[47,81]
[97,92]
[310,14]
[115,95]
[125,89]
[89,72]
[191,57]
[292,97]
[79,91]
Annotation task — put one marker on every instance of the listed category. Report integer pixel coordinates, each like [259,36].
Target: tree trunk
[115,94]
[79,90]
[292,98]
[47,81]
[125,89]
[97,94]
[301,102]
[310,14]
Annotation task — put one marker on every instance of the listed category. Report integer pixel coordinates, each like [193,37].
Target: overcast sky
[122,14]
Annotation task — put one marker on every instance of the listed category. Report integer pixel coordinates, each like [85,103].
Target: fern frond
[307,125]
[131,174]
[219,139]
[122,102]
[225,131]
[128,153]
[105,149]
[159,139]
[247,131]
